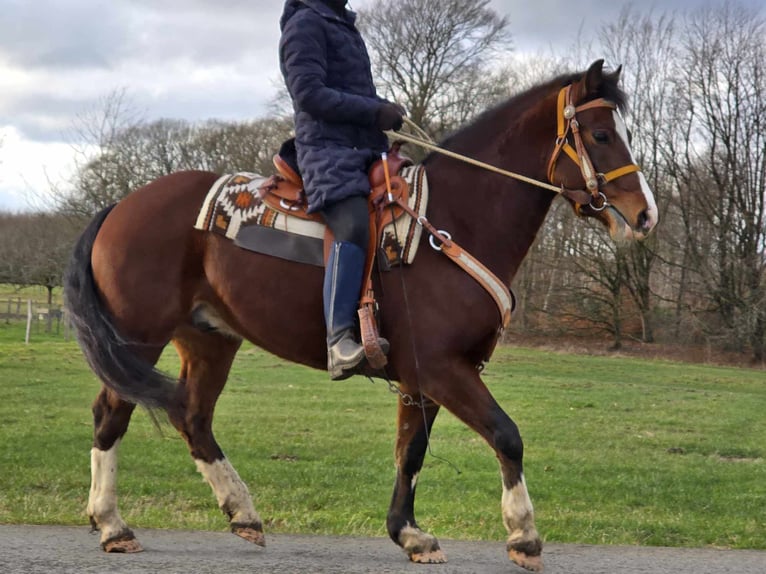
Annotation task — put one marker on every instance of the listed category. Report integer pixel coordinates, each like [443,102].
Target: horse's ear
[614,76]
[593,78]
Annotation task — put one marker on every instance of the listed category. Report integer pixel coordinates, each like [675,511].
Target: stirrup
[375,347]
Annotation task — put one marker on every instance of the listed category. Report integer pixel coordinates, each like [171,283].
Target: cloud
[193,59]
[27,169]
[56,53]
[190,59]
[62,35]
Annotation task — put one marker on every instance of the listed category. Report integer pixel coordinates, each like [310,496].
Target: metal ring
[604,203]
[443,234]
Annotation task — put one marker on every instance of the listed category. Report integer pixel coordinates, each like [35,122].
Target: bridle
[568,124]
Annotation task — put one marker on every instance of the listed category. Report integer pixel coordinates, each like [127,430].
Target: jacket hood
[292,6]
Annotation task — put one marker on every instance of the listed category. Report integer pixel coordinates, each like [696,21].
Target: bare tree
[437,57]
[645,46]
[718,159]
[35,248]
[125,153]
[99,179]
[228,147]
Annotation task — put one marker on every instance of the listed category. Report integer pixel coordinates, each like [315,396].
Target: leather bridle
[568,124]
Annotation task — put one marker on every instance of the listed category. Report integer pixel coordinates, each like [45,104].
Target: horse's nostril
[644,221]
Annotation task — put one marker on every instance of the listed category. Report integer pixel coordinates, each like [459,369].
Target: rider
[339,123]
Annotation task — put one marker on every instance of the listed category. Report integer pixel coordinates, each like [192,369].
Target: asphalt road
[54,550]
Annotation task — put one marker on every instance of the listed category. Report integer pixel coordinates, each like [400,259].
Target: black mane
[511,111]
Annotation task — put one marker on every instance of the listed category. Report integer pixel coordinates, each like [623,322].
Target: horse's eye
[601,136]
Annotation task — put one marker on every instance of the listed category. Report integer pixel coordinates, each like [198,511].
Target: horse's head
[593,137]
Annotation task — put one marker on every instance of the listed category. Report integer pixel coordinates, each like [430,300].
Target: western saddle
[284,192]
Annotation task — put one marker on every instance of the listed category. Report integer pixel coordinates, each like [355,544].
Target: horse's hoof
[124,544]
[531,563]
[432,557]
[250,534]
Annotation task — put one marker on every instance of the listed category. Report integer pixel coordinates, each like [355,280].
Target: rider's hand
[389,117]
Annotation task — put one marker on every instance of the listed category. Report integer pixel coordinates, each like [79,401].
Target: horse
[141,277]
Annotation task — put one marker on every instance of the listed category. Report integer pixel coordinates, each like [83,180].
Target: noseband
[568,124]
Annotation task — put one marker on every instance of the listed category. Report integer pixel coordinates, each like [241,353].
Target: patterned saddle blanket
[234,209]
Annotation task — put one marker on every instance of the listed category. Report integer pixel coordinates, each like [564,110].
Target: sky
[184,59]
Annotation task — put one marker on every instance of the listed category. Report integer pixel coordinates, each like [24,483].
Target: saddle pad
[234,209]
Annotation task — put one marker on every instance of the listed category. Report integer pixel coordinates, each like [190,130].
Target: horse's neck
[492,216]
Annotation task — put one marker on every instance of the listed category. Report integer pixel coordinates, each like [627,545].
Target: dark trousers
[349,220]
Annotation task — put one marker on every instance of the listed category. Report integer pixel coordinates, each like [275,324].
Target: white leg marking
[414,481]
[102,502]
[651,211]
[232,494]
[518,514]
[414,540]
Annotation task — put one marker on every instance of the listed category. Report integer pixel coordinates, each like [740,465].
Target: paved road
[55,550]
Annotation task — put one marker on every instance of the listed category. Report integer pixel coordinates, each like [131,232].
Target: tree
[100,177]
[437,57]
[644,45]
[717,155]
[35,248]
[125,153]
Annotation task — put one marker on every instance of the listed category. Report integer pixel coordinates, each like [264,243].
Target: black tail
[109,354]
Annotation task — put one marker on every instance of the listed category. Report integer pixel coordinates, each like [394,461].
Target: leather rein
[567,125]
[442,241]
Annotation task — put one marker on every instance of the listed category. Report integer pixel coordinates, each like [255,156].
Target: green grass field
[618,451]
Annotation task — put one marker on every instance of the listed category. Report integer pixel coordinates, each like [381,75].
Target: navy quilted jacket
[327,71]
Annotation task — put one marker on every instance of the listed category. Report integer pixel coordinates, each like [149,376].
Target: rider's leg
[348,220]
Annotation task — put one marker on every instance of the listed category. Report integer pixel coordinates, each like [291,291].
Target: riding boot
[342,286]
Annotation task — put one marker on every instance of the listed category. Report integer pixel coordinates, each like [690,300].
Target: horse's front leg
[462,392]
[413,427]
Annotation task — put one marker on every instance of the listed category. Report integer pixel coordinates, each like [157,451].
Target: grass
[35,292]
[618,451]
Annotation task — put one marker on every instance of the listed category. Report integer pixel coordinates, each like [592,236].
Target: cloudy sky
[189,59]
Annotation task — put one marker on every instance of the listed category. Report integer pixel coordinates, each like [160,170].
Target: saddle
[284,192]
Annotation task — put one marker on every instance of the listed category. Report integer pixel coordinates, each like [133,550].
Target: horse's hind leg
[111,417]
[413,427]
[206,358]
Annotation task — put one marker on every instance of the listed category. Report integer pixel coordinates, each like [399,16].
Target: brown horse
[142,277]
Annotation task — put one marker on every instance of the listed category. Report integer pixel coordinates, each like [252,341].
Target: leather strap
[484,277]
[499,292]
[566,125]
[620,171]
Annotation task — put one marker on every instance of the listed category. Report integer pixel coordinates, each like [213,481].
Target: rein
[567,124]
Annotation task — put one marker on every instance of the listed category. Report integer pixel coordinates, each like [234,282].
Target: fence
[39,317]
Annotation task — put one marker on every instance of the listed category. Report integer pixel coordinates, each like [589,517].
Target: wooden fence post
[29,320]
